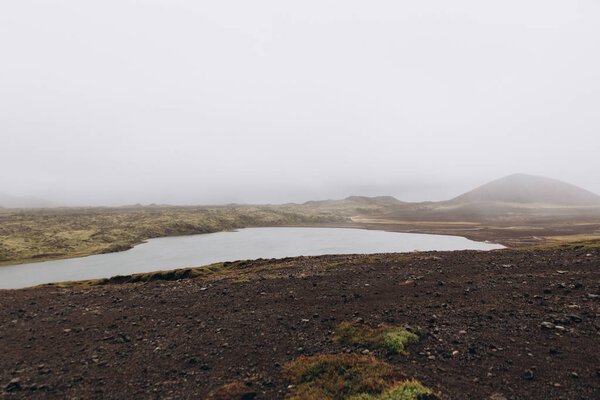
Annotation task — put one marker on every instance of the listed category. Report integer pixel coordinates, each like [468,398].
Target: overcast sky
[115,102]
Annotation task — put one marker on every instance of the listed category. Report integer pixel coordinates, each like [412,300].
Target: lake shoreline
[174,252]
[121,248]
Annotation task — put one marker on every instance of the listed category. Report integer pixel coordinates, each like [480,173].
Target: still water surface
[251,243]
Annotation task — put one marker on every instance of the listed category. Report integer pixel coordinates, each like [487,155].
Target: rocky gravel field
[495,325]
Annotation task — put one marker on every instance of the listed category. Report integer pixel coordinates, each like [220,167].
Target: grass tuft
[406,390]
[350,377]
[337,376]
[390,338]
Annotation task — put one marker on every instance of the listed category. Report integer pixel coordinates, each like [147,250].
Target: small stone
[528,375]
[14,385]
[547,325]
[560,328]
[455,353]
[574,318]
[497,396]
[574,375]
[365,351]
[194,361]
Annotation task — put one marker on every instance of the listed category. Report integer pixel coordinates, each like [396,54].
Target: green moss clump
[350,377]
[390,338]
[396,339]
[406,390]
[337,376]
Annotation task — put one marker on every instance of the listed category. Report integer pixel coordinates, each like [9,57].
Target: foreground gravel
[498,325]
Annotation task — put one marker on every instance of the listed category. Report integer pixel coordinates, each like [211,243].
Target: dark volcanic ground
[183,339]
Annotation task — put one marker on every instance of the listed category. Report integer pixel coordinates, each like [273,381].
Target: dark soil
[503,324]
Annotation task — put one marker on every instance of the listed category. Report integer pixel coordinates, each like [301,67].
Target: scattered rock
[574,318]
[14,385]
[195,361]
[547,325]
[233,391]
[528,375]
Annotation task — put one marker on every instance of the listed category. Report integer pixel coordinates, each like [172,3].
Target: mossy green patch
[406,390]
[573,242]
[337,376]
[393,339]
[349,377]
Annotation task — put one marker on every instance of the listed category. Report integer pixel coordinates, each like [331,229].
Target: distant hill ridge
[522,188]
[382,200]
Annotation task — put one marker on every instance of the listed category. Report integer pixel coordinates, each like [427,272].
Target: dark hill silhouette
[521,188]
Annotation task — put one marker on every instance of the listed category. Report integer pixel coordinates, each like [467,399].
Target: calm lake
[251,243]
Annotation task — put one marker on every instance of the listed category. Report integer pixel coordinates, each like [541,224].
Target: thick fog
[119,102]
